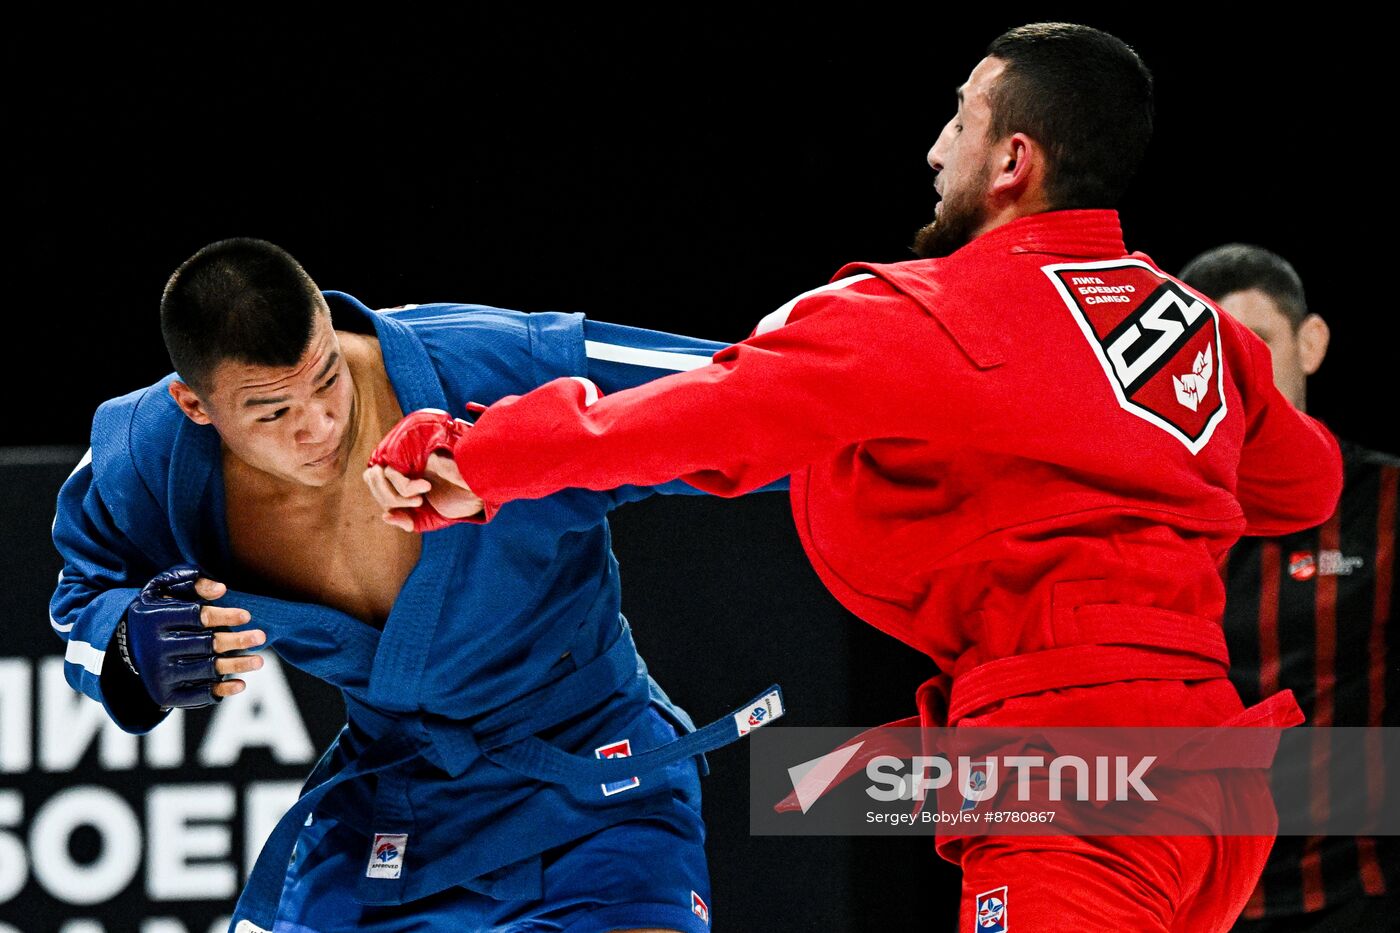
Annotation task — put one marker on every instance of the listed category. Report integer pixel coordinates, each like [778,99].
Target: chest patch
[1159,344]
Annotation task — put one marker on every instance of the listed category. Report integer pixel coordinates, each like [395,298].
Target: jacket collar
[1094,234]
[410,368]
[1081,233]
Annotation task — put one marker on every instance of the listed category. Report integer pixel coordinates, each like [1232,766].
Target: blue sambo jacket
[475,714]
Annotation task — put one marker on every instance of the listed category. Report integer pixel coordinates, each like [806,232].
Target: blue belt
[506,737]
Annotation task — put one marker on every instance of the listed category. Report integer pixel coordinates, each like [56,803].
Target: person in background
[1310,612]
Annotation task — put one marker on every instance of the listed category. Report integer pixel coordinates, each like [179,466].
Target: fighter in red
[1022,455]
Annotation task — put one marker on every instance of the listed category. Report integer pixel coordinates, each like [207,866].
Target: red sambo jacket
[1023,459]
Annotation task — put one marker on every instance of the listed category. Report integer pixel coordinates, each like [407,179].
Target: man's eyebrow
[960,97]
[334,358]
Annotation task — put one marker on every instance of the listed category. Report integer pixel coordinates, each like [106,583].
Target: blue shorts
[647,872]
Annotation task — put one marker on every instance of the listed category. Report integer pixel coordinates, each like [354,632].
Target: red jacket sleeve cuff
[488,508]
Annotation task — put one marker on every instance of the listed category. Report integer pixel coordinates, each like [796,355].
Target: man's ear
[1018,166]
[189,402]
[1313,337]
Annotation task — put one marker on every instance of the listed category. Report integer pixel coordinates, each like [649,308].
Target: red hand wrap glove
[407,447]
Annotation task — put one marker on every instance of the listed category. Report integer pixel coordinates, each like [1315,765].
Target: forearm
[100,568]
[93,664]
[1304,492]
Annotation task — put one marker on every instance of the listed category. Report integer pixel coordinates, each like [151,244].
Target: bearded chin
[954,228]
[928,242]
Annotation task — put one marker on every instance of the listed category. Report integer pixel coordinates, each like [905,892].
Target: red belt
[1114,643]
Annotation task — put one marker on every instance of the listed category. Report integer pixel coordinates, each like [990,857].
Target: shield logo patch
[1158,343]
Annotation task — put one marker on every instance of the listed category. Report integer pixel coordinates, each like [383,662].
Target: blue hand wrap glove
[165,645]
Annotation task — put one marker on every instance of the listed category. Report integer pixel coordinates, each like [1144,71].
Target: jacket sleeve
[102,573]
[839,370]
[1290,474]
[621,357]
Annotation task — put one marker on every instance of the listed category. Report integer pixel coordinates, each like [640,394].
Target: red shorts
[1146,884]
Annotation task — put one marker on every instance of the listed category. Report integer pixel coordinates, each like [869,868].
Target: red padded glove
[407,447]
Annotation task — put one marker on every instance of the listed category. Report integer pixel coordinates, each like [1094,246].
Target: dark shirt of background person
[1311,612]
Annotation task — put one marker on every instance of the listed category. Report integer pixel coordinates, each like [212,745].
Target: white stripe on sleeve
[54,622]
[780,317]
[636,356]
[87,458]
[85,656]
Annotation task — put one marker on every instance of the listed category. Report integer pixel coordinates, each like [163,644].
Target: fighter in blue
[507,763]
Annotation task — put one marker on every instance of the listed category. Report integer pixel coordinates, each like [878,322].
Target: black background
[678,168]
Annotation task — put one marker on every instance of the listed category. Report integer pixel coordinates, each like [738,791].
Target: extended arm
[760,410]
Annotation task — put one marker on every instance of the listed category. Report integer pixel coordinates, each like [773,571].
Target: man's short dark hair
[1082,94]
[1238,267]
[244,300]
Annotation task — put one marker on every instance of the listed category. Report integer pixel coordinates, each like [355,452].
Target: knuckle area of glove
[190,671]
[171,613]
[177,645]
